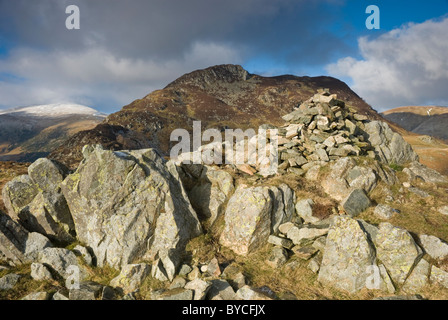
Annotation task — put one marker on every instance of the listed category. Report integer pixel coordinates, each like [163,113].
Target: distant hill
[431,121]
[27,133]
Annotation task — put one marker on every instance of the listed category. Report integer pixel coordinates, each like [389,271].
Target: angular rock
[9,281]
[385,173]
[386,283]
[314,265]
[370,229]
[390,147]
[209,191]
[39,272]
[213,268]
[304,209]
[194,274]
[356,202]
[434,246]
[12,240]
[313,173]
[298,235]
[59,296]
[176,294]
[304,253]
[383,211]
[427,174]
[17,245]
[397,250]
[231,271]
[17,194]
[199,287]
[285,227]
[352,128]
[283,206]
[45,215]
[178,282]
[362,178]
[46,174]
[418,278]
[247,219]
[112,193]
[320,243]
[131,277]
[292,130]
[347,257]
[419,192]
[247,293]
[439,276]
[322,155]
[277,257]
[60,260]
[34,244]
[221,290]
[335,184]
[163,268]
[281,242]
[88,290]
[131,297]
[185,269]
[37,296]
[84,252]
[238,281]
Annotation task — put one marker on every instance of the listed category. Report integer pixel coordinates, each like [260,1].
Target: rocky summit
[350,213]
[222,96]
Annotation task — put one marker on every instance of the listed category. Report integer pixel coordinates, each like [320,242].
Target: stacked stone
[323,128]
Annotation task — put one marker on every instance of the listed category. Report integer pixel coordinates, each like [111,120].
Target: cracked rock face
[252,214]
[390,147]
[127,205]
[347,256]
[397,250]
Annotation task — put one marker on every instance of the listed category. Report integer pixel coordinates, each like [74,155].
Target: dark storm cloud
[125,49]
[164,29]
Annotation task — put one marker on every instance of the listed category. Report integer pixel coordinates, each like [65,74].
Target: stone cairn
[322,129]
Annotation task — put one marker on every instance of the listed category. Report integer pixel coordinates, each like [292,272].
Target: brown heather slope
[224,96]
[432,152]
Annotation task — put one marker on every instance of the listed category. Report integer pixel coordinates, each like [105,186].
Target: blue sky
[126,49]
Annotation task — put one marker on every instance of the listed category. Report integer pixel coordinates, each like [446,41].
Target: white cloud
[406,66]
[96,73]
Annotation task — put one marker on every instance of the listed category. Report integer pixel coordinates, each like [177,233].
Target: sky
[127,49]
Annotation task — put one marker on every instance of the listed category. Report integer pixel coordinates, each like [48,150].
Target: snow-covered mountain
[27,133]
[53,110]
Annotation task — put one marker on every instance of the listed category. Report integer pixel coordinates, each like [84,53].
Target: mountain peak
[220,73]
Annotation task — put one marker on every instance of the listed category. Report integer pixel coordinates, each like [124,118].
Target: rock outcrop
[17,245]
[390,147]
[208,190]
[253,214]
[36,201]
[136,212]
[397,250]
[348,255]
[129,205]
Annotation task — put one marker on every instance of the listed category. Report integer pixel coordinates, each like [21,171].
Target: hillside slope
[31,132]
[223,96]
[429,120]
